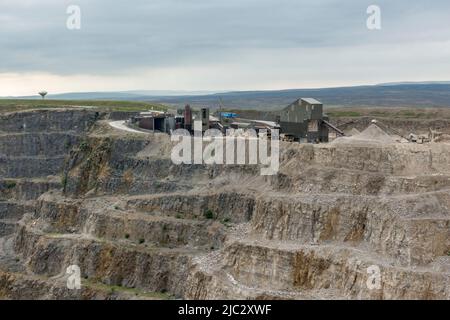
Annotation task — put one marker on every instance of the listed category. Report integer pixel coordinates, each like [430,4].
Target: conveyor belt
[334,128]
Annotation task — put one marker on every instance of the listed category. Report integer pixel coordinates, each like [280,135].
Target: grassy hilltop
[9,105]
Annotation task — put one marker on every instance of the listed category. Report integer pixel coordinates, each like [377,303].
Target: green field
[390,113]
[9,105]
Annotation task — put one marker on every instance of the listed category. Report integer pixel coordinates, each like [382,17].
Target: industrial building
[304,121]
[166,122]
[204,115]
[154,121]
[187,121]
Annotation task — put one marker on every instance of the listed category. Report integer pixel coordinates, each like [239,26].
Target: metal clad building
[303,119]
[161,122]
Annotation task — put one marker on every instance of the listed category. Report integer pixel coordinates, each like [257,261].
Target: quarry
[362,216]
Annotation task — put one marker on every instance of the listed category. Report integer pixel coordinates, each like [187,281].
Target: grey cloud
[119,36]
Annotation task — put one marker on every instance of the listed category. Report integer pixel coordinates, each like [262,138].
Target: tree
[43,94]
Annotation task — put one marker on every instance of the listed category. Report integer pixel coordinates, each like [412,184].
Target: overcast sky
[219,45]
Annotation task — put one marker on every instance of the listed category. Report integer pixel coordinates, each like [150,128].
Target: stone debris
[352,132]
[372,134]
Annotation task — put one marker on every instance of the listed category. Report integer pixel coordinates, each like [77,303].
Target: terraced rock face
[74,191]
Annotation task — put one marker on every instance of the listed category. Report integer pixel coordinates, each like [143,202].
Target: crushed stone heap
[352,132]
[372,134]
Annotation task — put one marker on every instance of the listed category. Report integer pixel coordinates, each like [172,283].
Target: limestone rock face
[338,221]
[46,121]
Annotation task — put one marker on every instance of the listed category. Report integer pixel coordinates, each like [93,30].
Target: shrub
[141,241]
[10,184]
[208,214]
[64,181]
[127,236]
[84,146]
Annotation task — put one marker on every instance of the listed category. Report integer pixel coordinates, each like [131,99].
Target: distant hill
[426,94]
[406,82]
[402,95]
[120,95]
